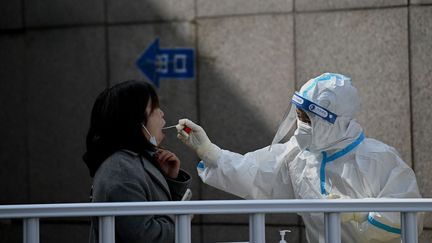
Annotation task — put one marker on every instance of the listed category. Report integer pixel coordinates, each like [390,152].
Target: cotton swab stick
[186,128]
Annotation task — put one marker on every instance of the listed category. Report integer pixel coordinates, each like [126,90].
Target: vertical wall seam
[410,81]
[23,14]
[294,45]
[106,42]
[198,103]
[26,106]
[294,36]
[26,120]
[195,9]
[198,108]
[197,79]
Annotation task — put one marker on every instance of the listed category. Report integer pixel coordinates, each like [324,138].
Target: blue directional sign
[175,63]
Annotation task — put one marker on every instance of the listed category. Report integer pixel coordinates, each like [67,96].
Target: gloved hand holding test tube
[196,138]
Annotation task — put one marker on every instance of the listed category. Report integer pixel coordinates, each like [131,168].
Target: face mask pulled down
[152,139]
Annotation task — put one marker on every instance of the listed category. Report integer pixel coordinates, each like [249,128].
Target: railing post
[176,228]
[402,219]
[409,227]
[107,229]
[332,227]
[31,230]
[183,228]
[257,228]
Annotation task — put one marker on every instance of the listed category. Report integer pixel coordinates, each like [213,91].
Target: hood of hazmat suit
[331,103]
[335,162]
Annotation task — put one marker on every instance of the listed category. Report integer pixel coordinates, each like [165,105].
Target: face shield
[290,117]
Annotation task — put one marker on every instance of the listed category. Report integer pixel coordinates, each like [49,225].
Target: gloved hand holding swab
[195,138]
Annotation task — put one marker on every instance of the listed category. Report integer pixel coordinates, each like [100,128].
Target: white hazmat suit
[330,158]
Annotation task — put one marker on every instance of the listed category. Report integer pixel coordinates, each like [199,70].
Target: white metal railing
[255,208]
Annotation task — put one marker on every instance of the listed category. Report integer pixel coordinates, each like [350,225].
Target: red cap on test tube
[187,129]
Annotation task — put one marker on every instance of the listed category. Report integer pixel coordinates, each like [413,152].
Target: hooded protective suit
[331,158]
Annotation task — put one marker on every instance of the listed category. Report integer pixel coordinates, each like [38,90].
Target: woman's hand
[169,163]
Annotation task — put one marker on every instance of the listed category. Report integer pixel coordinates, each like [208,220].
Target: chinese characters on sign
[174,63]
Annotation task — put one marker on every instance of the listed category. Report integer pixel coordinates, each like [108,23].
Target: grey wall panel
[303,236]
[63,12]
[420,1]
[11,231]
[150,10]
[64,232]
[177,97]
[65,70]
[425,237]
[313,5]
[421,93]
[13,119]
[229,7]
[371,47]
[196,233]
[11,14]
[240,233]
[246,75]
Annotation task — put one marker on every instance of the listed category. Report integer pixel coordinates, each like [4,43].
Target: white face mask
[152,139]
[303,134]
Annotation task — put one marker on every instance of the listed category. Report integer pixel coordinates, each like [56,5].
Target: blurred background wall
[57,55]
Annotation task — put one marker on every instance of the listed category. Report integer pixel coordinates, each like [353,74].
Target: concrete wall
[56,56]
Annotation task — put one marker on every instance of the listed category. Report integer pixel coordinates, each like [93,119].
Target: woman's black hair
[115,122]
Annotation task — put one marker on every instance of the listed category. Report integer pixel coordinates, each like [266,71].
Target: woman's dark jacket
[127,176]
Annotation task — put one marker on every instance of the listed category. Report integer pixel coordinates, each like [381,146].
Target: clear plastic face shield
[290,117]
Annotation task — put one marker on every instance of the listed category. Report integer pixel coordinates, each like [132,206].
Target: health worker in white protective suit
[328,157]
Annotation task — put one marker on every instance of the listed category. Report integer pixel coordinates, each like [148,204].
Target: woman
[126,163]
